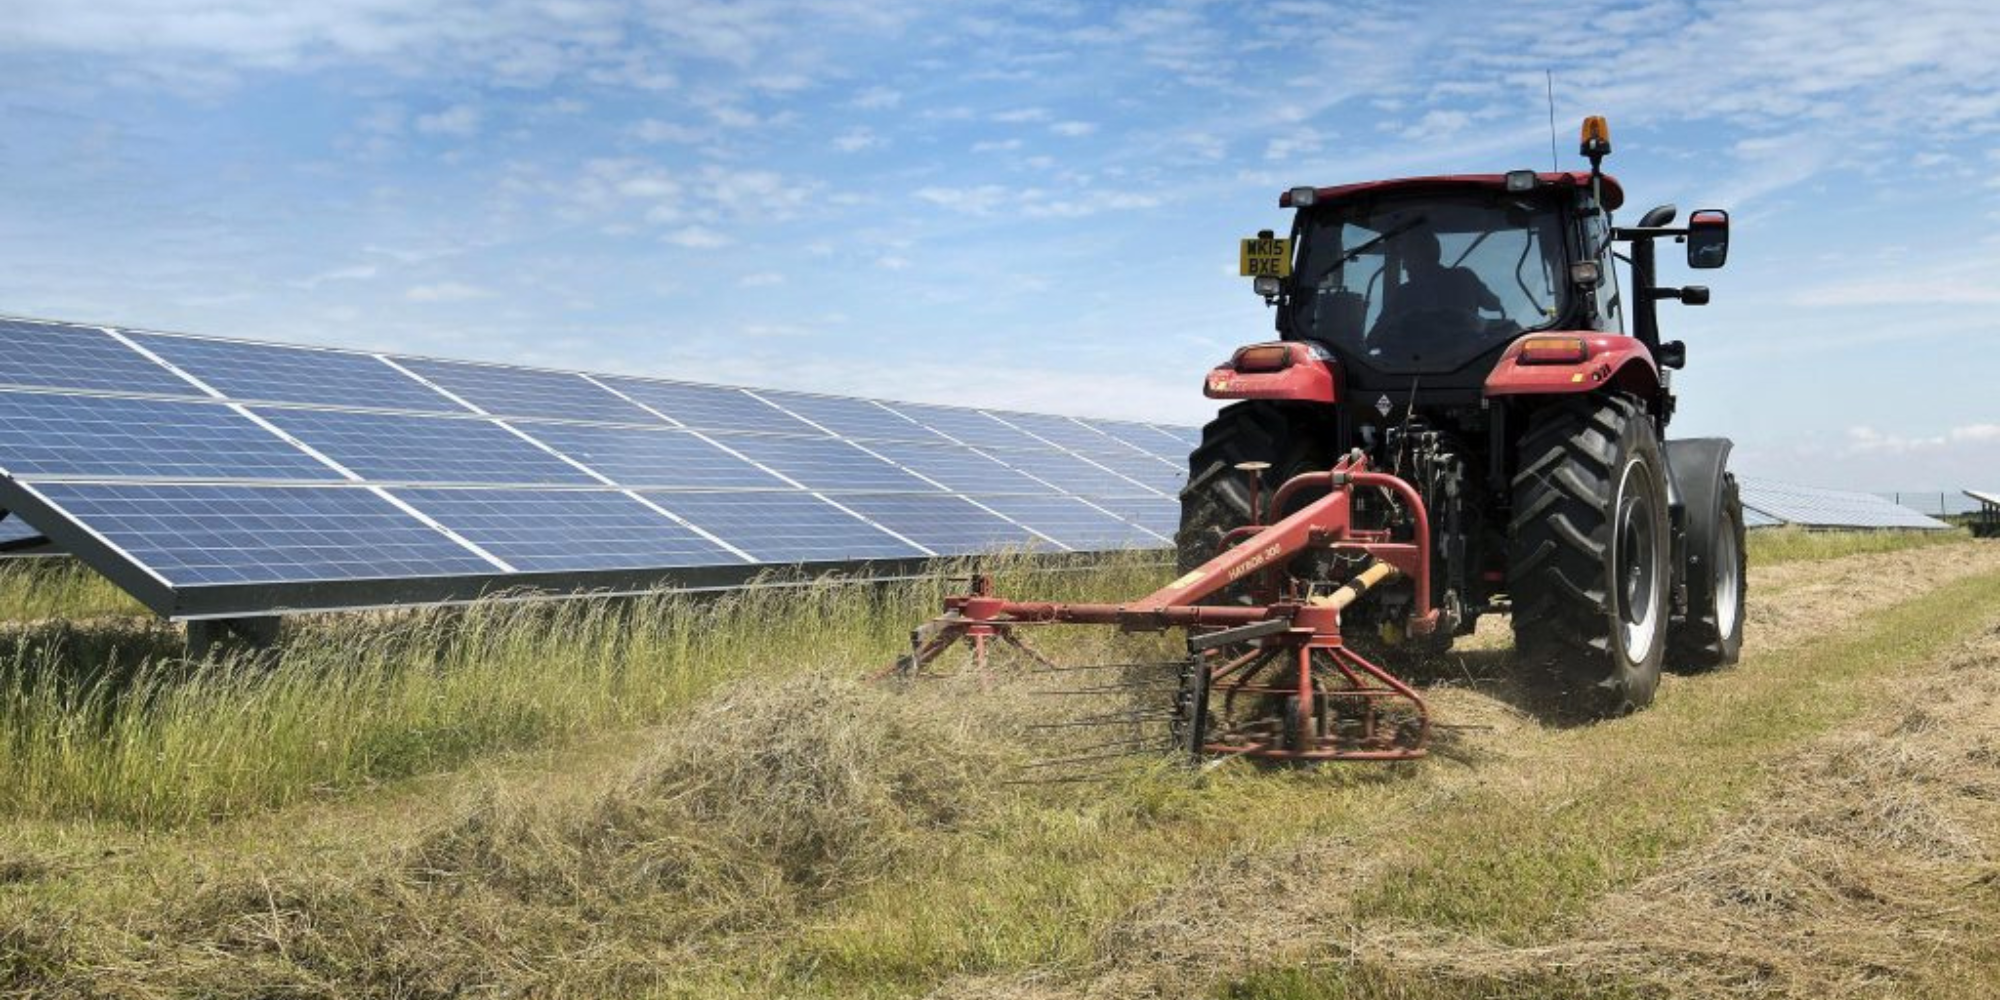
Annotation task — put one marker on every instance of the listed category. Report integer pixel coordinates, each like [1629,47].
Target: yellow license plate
[1262,256]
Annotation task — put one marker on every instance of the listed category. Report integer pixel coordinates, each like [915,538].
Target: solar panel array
[1813,507]
[215,477]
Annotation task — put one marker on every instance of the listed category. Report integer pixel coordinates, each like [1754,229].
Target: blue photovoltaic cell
[946,525]
[1754,518]
[386,448]
[1070,521]
[1188,439]
[960,470]
[967,426]
[657,458]
[1159,516]
[785,527]
[1152,472]
[13,529]
[1821,508]
[527,392]
[1064,433]
[856,419]
[80,357]
[823,463]
[53,434]
[1142,437]
[297,374]
[573,530]
[1071,474]
[709,407]
[221,534]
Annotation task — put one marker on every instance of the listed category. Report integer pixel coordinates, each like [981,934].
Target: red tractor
[1464,413]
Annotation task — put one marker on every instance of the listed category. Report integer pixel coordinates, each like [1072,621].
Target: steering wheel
[1417,331]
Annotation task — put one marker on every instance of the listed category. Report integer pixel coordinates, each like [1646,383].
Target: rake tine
[1087,758]
[1105,720]
[1162,664]
[1066,779]
[1136,741]
[1106,689]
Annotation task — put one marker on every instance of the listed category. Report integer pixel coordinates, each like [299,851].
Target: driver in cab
[1429,285]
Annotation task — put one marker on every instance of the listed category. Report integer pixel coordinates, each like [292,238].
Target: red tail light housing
[1554,351]
[1262,358]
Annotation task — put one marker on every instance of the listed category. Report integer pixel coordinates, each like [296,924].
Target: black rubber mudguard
[1698,465]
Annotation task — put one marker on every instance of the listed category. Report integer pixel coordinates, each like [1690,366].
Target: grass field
[671,798]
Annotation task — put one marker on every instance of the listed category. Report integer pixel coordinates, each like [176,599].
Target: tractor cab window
[1427,285]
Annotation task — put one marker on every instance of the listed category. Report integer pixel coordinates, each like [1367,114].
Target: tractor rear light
[1585,274]
[1521,180]
[1554,351]
[1264,358]
[1304,196]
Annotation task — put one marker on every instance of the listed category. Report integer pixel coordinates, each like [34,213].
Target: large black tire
[1589,556]
[1216,498]
[1712,634]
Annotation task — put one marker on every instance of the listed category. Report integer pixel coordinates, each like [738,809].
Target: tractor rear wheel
[1216,499]
[1589,556]
[1712,634]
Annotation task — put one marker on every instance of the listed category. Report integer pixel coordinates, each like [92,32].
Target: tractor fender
[1305,374]
[1695,470]
[1612,360]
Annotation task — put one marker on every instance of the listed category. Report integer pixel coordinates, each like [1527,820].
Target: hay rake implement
[1267,674]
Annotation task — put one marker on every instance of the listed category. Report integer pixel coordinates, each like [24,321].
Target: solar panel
[395,448]
[947,525]
[323,478]
[526,392]
[230,534]
[1142,438]
[69,356]
[1814,507]
[961,470]
[270,373]
[57,434]
[1158,515]
[549,530]
[969,427]
[634,457]
[1064,432]
[783,528]
[1072,474]
[709,407]
[1070,521]
[1985,497]
[855,419]
[822,463]
[1754,518]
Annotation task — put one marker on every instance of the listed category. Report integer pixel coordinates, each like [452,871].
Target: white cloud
[459,120]
[996,145]
[877,99]
[448,291]
[761,279]
[1020,115]
[697,238]
[654,130]
[1073,129]
[358,272]
[856,139]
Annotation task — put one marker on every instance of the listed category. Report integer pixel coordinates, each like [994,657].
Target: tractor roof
[1614,195]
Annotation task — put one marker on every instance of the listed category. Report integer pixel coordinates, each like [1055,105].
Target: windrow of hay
[767,804]
[351,700]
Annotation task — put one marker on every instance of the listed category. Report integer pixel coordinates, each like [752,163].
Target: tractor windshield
[1427,284]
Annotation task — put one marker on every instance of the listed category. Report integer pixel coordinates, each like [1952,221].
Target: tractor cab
[1436,276]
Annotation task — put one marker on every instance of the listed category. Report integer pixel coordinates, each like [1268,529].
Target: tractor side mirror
[1708,238]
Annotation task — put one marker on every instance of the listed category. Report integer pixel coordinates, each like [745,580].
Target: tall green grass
[32,589]
[352,700]
[1772,546]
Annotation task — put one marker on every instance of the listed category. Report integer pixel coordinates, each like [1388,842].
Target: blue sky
[1026,204]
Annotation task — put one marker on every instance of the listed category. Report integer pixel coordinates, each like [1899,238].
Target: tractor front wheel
[1589,560]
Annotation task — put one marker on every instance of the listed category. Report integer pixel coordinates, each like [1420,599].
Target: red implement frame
[1318,676]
